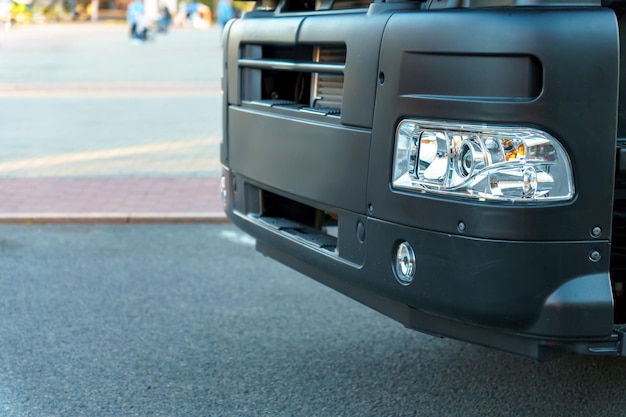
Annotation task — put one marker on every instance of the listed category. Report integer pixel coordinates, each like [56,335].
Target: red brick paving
[110,199]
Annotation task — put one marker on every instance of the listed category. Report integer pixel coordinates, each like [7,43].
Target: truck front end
[455,165]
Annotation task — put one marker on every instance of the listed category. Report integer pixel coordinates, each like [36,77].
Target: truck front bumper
[523,297]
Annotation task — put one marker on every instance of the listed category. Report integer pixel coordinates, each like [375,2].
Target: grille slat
[328,88]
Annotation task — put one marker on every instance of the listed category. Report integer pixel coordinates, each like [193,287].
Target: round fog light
[405,263]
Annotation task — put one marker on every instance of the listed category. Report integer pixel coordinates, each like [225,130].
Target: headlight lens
[495,163]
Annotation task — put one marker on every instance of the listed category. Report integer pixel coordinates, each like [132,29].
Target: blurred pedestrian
[71,5]
[191,9]
[135,16]
[6,16]
[165,20]
[225,11]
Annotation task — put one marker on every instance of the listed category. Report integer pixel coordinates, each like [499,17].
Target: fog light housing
[482,162]
[405,263]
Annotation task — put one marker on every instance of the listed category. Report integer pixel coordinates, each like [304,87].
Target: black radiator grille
[288,6]
[301,77]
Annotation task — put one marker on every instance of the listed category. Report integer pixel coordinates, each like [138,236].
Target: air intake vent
[327,89]
[350,4]
[298,78]
[313,5]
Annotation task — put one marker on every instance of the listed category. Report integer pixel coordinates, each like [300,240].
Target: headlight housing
[494,163]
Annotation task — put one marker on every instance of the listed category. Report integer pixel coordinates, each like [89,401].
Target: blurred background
[26,11]
[94,120]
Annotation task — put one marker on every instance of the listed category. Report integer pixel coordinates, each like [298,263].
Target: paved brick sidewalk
[119,200]
[94,129]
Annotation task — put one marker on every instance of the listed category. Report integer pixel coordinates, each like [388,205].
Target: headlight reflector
[495,163]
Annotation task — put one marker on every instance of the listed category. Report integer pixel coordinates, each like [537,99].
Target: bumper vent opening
[618,261]
[304,223]
[618,236]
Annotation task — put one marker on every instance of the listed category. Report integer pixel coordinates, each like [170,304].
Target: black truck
[457,165]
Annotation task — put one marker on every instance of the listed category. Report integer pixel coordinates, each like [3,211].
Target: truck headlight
[495,163]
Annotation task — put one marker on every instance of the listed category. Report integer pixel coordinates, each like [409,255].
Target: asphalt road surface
[188,320]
